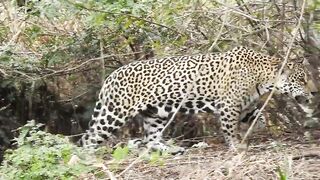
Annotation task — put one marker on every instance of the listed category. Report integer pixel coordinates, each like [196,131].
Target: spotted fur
[225,84]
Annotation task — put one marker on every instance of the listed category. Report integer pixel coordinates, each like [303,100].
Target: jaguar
[226,84]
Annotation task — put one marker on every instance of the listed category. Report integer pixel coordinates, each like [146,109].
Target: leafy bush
[41,155]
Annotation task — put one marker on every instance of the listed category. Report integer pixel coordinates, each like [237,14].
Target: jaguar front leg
[229,117]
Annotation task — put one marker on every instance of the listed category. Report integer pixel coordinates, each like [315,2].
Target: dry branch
[294,34]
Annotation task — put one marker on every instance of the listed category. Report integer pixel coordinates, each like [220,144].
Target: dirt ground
[287,157]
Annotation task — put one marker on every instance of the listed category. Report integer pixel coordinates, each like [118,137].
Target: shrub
[41,155]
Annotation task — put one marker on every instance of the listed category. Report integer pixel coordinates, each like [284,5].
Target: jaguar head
[297,82]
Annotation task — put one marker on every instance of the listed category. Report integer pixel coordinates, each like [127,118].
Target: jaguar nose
[302,100]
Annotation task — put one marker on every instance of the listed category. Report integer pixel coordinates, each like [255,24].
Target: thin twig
[106,170]
[225,17]
[103,69]
[75,135]
[3,72]
[295,31]
[4,107]
[83,64]
[73,98]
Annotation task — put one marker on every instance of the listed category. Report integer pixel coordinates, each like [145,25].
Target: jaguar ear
[290,65]
[287,68]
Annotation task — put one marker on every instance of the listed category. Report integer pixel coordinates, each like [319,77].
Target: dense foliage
[41,155]
[46,38]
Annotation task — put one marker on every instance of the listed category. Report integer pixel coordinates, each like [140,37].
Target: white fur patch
[307,110]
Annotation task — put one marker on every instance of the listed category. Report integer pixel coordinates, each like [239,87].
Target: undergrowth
[40,155]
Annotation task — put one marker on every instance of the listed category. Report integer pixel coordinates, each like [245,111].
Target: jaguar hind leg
[104,124]
[153,126]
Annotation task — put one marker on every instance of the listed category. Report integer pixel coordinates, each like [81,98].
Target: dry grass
[296,160]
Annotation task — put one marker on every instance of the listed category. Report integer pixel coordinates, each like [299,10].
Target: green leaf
[157,157]
[282,175]
[99,19]
[120,153]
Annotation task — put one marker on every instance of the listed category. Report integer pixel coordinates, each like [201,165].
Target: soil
[289,156]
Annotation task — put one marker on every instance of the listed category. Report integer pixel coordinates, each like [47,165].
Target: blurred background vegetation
[54,55]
